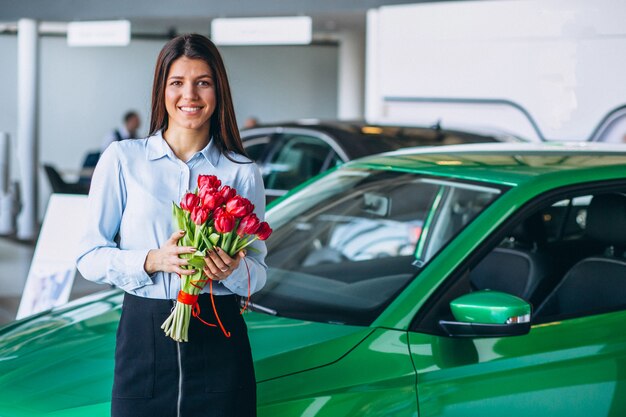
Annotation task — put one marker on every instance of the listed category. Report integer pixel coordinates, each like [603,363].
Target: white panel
[53,267]
[262,31]
[103,33]
[373,101]
[561,60]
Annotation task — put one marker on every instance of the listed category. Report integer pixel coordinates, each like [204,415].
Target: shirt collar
[124,132]
[211,153]
[158,148]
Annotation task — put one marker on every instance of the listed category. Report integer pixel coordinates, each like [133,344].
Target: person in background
[130,242]
[250,122]
[127,131]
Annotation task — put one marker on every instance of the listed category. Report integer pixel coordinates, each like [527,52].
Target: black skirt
[210,375]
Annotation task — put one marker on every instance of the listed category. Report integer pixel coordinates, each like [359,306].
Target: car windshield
[343,247]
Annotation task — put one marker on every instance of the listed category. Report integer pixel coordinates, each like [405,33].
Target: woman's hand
[166,257]
[219,265]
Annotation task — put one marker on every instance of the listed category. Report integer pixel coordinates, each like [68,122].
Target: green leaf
[197,262]
[179,215]
[214,238]
[206,241]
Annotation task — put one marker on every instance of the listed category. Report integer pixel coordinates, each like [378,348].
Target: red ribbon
[217,316]
[247,299]
[192,300]
[187,298]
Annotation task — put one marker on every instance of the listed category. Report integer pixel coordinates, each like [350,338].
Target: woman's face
[189,94]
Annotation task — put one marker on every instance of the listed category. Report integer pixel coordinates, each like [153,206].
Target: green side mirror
[488,314]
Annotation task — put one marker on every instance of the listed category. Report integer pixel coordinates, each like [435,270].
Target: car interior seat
[59,185]
[597,283]
[518,267]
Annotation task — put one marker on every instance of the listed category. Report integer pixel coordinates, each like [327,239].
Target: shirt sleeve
[106,141]
[100,259]
[254,262]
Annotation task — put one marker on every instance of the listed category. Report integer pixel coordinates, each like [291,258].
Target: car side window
[256,147]
[299,158]
[566,219]
[567,258]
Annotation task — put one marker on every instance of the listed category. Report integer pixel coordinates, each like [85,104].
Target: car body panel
[283,346]
[376,378]
[507,166]
[561,369]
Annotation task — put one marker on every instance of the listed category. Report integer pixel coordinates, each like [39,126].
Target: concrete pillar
[351,75]
[7,202]
[27,72]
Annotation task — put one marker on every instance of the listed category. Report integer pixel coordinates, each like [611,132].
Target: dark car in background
[293,152]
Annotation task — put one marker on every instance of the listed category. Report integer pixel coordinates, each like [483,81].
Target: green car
[479,280]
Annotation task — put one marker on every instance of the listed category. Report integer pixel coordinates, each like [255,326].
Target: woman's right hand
[166,257]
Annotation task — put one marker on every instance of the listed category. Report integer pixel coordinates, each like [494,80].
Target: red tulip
[239,206]
[248,225]
[264,231]
[210,182]
[211,199]
[219,210]
[199,215]
[227,193]
[189,201]
[224,223]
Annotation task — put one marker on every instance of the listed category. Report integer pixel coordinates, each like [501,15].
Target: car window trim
[270,131]
[496,237]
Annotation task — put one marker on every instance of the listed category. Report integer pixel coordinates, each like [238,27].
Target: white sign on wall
[100,33]
[262,31]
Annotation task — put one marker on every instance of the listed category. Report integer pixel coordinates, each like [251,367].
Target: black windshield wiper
[262,309]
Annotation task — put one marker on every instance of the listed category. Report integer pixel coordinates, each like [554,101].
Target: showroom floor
[15,260]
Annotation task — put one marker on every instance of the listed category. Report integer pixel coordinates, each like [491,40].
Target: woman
[131,243]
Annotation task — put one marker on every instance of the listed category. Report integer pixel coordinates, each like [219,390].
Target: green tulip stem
[245,243]
[234,245]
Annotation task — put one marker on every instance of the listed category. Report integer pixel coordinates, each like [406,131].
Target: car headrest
[531,231]
[606,219]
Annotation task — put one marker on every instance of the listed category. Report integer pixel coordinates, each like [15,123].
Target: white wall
[562,60]
[277,83]
[85,91]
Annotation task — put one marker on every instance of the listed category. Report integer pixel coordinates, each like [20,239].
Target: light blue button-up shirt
[130,212]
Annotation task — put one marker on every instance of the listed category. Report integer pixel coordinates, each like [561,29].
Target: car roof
[359,139]
[510,164]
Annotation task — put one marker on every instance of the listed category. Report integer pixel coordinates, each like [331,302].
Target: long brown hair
[223,125]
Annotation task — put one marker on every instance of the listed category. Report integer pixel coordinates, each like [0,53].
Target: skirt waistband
[157,305]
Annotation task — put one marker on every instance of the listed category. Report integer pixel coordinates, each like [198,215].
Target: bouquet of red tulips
[213,216]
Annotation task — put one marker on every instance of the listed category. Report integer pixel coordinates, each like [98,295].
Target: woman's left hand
[219,265]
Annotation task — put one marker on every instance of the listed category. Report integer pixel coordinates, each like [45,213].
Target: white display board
[560,60]
[53,267]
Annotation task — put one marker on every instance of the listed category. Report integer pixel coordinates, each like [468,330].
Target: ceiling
[167,16]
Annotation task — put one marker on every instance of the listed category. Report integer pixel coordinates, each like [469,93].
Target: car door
[567,365]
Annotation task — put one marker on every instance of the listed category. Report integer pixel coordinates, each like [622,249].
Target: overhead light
[99,33]
[372,130]
[449,163]
[262,31]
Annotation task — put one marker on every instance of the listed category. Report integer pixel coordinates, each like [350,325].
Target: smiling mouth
[189,109]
